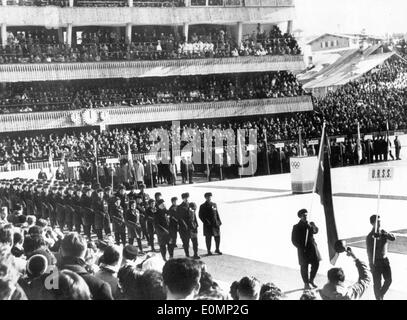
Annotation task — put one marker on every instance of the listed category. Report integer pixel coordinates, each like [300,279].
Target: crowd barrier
[33,168]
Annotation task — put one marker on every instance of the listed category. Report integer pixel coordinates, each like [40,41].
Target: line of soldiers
[133,215]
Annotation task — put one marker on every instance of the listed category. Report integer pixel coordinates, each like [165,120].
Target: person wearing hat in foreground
[209,215]
[302,237]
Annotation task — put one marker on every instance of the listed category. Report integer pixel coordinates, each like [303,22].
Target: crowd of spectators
[40,46]
[51,96]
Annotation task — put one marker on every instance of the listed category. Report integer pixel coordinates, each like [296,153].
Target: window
[332,43]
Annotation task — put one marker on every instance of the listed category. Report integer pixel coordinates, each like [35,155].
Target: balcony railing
[133,69]
[152,3]
[151,113]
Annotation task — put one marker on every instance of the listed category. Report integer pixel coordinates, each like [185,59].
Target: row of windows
[328,44]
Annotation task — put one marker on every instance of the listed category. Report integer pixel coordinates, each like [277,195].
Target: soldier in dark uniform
[173,225]
[69,201]
[60,208]
[157,197]
[143,219]
[161,226]
[119,226]
[110,199]
[132,194]
[51,199]
[209,215]
[182,217]
[77,218]
[124,200]
[143,194]
[37,199]
[302,237]
[193,228]
[150,212]
[88,218]
[132,218]
[101,210]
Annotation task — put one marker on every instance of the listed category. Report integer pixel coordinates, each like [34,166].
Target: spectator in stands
[335,288]
[73,250]
[181,279]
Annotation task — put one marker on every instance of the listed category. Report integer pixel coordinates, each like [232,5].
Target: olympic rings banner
[303,172]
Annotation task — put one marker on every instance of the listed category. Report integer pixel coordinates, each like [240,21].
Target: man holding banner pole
[376,245]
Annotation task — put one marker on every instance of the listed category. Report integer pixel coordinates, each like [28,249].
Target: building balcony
[151,113]
[254,11]
[157,68]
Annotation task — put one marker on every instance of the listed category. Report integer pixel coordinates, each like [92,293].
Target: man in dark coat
[73,251]
[209,215]
[379,264]
[119,226]
[161,226]
[182,217]
[69,201]
[193,228]
[132,218]
[88,218]
[100,208]
[77,218]
[143,219]
[150,213]
[173,225]
[302,237]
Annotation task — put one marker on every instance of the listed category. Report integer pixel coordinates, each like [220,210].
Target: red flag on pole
[323,187]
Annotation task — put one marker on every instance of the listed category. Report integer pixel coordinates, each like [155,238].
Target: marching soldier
[302,237]
[119,227]
[173,225]
[143,194]
[150,212]
[101,210]
[193,228]
[124,199]
[110,199]
[132,194]
[161,226]
[183,216]
[143,219]
[69,201]
[77,218]
[51,199]
[209,215]
[132,218]
[60,209]
[88,218]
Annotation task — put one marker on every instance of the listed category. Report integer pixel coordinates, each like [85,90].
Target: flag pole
[96,161]
[377,218]
[321,145]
